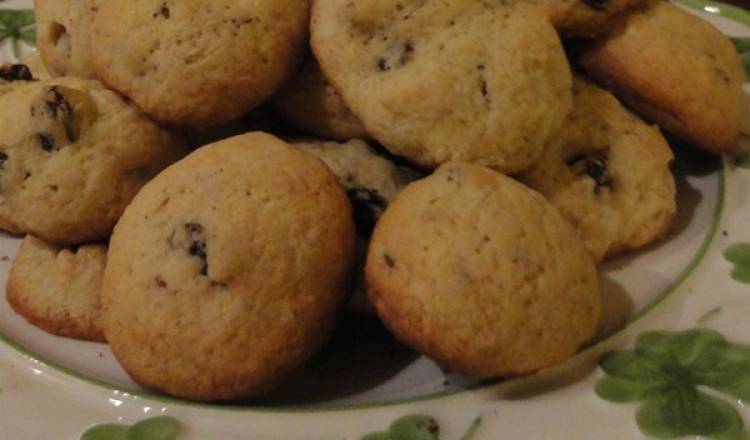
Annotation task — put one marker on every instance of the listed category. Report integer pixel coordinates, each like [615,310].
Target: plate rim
[708,6]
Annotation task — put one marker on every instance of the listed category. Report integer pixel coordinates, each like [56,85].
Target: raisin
[15,72]
[197,244]
[54,120]
[389,261]
[593,165]
[47,141]
[56,102]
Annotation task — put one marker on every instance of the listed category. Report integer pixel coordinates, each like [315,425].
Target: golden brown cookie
[310,103]
[72,156]
[608,174]
[587,18]
[433,81]
[198,63]
[482,274]
[677,70]
[228,269]
[64,35]
[57,288]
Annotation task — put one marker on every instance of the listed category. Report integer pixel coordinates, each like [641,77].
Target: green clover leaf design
[156,428]
[739,255]
[17,25]
[418,427]
[681,380]
[743,48]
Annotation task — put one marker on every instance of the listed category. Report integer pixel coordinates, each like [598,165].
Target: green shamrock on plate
[17,25]
[684,382]
[418,427]
[156,428]
[739,255]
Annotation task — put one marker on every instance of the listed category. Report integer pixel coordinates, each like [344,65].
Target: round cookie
[310,103]
[72,156]
[482,274]
[608,174]
[228,269]
[587,18]
[198,63]
[433,81]
[64,35]
[644,63]
[58,289]
[371,182]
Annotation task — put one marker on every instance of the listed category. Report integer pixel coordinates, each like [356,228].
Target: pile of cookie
[457,167]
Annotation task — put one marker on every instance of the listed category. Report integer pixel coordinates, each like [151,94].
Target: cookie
[36,65]
[371,182]
[72,156]
[198,63]
[58,289]
[309,103]
[63,35]
[644,62]
[608,174]
[587,18]
[482,274]
[227,270]
[433,81]
[14,76]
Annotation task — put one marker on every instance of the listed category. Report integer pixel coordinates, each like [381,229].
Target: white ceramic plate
[54,388]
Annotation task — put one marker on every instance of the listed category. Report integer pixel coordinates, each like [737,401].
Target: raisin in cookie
[57,288]
[64,35]
[482,274]
[677,70]
[608,174]
[433,81]
[198,63]
[227,270]
[72,156]
[13,76]
[371,182]
[310,103]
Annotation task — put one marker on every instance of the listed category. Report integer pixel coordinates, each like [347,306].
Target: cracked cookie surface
[228,269]
[72,156]
[433,81]
[198,63]
[482,274]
